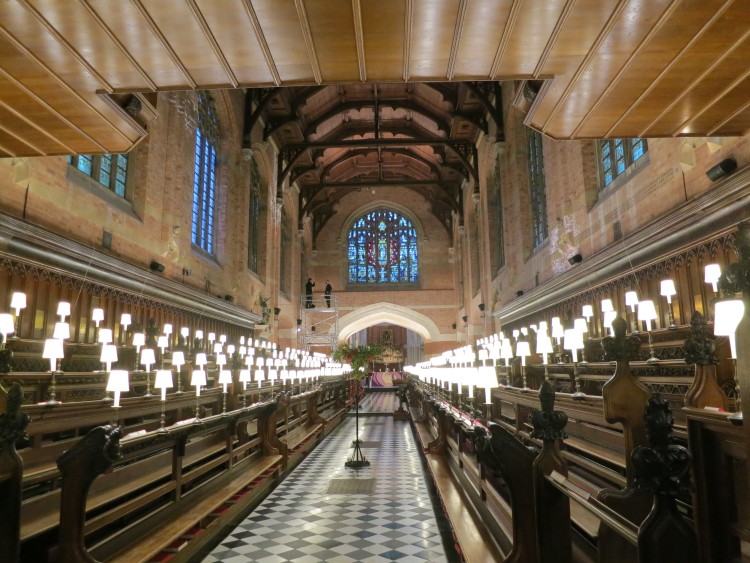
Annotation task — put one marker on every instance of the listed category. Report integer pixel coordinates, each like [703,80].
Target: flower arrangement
[359,357]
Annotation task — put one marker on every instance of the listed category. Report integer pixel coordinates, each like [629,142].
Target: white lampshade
[221,360]
[727,316]
[211,336]
[580,325]
[225,378]
[487,378]
[524,331]
[242,351]
[506,351]
[542,327]
[516,333]
[162,342]
[105,336]
[108,355]
[198,379]
[544,345]
[523,350]
[631,299]
[587,311]
[244,375]
[139,339]
[118,382]
[97,315]
[6,325]
[18,301]
[200,359]
[218,347]
[668,289]
[222,338]
[199,334]
[63,309]
[242,340]
[126,320]
[607,305]
[178,358]
[167,329]
[557,330]
[573,341]
[62,331]
[260,375]
[647,312]
[713,273]
[148,358]
[185,331]
[163,379]
[53,351]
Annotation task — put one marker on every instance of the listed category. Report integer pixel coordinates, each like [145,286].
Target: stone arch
[383,312]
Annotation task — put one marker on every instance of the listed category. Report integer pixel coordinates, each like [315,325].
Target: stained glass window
[110,170]
[617,155]
[204,174]
[538,188]
[383,249]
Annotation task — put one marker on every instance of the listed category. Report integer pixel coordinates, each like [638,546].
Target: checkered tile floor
[299,522]
[379,402]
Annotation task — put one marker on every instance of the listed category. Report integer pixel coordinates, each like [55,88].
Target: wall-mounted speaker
[724,168]
[519,293]
[156,266]
[575,259]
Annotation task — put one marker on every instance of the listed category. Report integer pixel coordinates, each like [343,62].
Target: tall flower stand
[358,460]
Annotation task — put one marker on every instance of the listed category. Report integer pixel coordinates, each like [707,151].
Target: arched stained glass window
[383,249]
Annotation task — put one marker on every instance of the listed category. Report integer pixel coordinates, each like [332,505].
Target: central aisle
[301,522]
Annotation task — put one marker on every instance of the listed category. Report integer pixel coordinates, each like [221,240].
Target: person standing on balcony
[328,294]
[308,293]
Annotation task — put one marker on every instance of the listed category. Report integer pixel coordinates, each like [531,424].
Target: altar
[385,378]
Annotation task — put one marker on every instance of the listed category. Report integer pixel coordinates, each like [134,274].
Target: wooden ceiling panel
[383,38]
[569,48]
[131,29]
[240,45]
[615,67]
[723,111]
[15,126]
[722,86]
[80,33]
[484,25]
[644,72]
[283,32]
[528,37]
[13,98]
[184,34]
[629,31]
[336,52]
[32,84]
[704,39]
[432,38]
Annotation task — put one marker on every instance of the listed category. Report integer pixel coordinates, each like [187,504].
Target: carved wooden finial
[620,347]
[661,467]
[549,424]
[699,347]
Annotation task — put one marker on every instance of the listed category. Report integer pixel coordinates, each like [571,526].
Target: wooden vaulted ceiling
[333,140]
[599,68]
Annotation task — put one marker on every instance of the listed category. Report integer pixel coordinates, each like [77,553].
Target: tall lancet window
[204,174]
[383,249]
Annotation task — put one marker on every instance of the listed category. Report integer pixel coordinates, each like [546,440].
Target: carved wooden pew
[167,486]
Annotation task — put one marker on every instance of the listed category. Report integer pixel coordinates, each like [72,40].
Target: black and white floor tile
[299,522]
